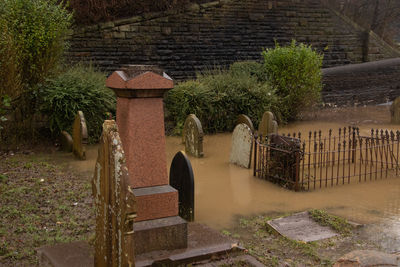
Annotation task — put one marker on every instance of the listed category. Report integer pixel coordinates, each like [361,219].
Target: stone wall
[221,32]
[366,83]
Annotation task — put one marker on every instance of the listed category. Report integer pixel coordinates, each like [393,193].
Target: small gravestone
[242,144]
[80,136]
[114,201]
[246,120]
[193,132]
[181,178]
[66,142]
[268,124]
[395,111]
[274,127]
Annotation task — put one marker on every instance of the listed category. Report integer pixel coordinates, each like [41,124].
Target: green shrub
[36,32]
[77,88]
[217,99]
[32,43]
[4,103]
[295,73]
[10,82]
[249,68]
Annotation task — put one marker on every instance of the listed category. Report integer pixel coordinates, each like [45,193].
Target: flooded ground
[223,191]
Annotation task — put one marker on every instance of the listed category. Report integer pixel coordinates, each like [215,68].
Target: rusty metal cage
[321,161]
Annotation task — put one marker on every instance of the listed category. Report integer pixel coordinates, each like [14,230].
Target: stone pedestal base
[202,243]
[156,202]
[160,234]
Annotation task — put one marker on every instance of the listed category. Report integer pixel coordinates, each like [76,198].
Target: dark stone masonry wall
[221,32]
[366,83]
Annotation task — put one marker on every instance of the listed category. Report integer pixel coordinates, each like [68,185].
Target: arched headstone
[66,142]
[266,125]
[395,111]
[80,136]
[193,132]
[181,178]
[242,144]
[115,203]
[246,120]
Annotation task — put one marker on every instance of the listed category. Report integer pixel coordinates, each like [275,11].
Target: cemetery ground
[45,201]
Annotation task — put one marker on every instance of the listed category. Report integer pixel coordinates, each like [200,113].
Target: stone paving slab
[203,243]
[301,227]
[368,258]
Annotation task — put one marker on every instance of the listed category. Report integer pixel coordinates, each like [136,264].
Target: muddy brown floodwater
[223,190]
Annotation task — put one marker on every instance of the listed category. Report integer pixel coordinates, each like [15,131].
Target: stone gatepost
[140,119]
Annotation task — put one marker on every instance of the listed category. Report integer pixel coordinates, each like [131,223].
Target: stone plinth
[140,119]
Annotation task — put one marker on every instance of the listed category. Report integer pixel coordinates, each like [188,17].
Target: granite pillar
[140,119]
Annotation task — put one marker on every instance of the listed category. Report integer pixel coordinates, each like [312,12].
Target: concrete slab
[203,243]
[301,227]
[368,258]
[77,254]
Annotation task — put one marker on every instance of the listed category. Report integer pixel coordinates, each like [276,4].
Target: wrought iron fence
[326,160]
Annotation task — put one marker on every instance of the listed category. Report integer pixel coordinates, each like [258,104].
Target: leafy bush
[249,68]
[78,88]
[217,99]
[9,74]
[295,73]
[36,32]
[4,103]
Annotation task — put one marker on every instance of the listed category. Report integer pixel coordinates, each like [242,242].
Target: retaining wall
[366,83]
[221,32]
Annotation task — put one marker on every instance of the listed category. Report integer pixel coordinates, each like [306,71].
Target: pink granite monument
[140,119]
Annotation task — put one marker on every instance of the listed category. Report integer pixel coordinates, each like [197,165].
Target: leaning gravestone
[395,111]
[80,136]
[66,142]
[246,120]
[181,178]
[115,203]
[242,144]
[193,136]
[268,124]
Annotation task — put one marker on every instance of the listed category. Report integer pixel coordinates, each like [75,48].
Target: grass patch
[338,224]
[41,204]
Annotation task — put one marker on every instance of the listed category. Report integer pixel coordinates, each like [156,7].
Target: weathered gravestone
[242,144]
[115,203]
[193,136]
[246,120]
[80,136]
[181,178]
[268,124]
[395,111]
[66,142]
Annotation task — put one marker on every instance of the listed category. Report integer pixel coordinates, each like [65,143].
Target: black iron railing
[321,161]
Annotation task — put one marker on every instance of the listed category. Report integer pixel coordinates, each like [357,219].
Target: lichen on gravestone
[193,136]
[115,203]
[79,136]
